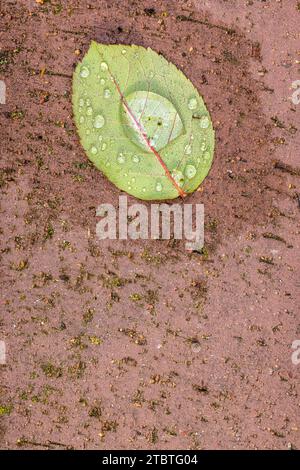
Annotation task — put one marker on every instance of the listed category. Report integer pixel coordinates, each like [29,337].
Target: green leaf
[141,121]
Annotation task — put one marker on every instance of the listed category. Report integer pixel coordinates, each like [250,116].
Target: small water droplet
[190,171]
[104,66]
[87,132]
[84,72]
[206,156]
[133,180]
[158,187]
[178,177]
[99,121]
[100,138]
[88,102]
[94,150]
[151,74]
[123,51]
[107,93]
[204,122]
[192,104]
[121,158]
[144,190]
[135,159]
[81,102]
[103,146]
[129,188]
[102,81]
[81,120]
[89,111]
[203,146]
[188,149]
[125,174]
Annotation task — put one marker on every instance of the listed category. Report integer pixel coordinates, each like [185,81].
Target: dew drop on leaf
[107,93]
[81,119]
[121,158]
[103,146]
[178,177]
[103,66]
[135,159]
[84,72]
[99,121]
[89,111]
[102,81]
[204,122]
[81,102]
[188,149]
[94,150]
[190,171]
[158,187]
[192,103]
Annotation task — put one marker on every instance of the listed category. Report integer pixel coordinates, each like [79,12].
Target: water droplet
[100,138]
[129,188]
[178,177]
[192,104]
[144,190]
[89,111]
[204,122]
[133,180]
[99,121]
[88,102]
[84,72]
[81,120]
[125,174]
[123,51]
[190,171]
[102,81]
[107,93]
[135,159]
[103,66]
[188,149]
[103,146]
[87,132]
[203,146]
[81,102]
[121,158]
[80,110]
[94,150]
[158,187]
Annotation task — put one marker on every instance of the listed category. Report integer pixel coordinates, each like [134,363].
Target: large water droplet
[190,171]
[204,122]
[89,111]
[107,93]
[99,121]
[192,103]
[94,150]
[84,72]
[158,187]
[135,159]
[103,66]
[121,158]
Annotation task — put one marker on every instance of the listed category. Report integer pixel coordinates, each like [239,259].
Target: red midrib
[146,139]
